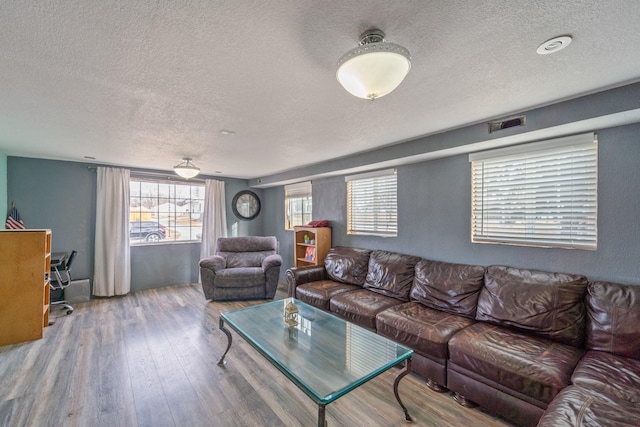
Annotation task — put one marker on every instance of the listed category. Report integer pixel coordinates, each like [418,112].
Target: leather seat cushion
[612,375]
[391,274]
[549,305]
[575,406]
[613,317]
[242,277]
[347,265]
[534,366]
[319,293]
[361,306]
[423,329]
[449,287]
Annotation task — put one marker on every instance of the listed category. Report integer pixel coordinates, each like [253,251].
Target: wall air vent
[507,123]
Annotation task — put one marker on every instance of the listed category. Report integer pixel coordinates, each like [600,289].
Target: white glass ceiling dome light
[374,68]
[186,169]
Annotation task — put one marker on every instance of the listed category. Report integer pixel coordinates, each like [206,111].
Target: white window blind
[372,203]
[297,204]
[539,194]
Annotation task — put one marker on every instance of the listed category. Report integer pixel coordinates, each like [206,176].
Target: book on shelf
[310,254]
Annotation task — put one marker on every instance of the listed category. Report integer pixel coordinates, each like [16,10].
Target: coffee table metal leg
[403,373]
[321,416]
[228,334]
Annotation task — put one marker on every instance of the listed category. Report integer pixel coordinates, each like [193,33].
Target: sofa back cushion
[444,286]
[613,318]
[246,251]
[549,305]
[391,274]
[347,265]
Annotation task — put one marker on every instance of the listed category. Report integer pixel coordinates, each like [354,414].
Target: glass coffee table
[325,356]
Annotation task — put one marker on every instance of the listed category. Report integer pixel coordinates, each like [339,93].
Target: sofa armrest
[214,262]
[271,261]
[297,276]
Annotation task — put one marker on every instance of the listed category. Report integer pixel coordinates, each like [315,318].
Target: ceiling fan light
[186,169]
[375,68]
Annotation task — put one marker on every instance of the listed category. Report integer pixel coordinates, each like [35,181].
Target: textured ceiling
[144,83]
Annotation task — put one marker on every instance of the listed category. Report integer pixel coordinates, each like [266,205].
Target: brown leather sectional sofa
[528,345]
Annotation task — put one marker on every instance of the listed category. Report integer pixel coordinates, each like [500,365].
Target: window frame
[196,206]
[376,197]
[301,192]
[540,194]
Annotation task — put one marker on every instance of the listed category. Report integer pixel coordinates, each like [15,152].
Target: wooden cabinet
[25,262]
[311,245]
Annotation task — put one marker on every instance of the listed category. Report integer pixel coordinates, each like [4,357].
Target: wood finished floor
[149,359]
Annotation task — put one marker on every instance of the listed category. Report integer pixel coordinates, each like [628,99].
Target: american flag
[13,220]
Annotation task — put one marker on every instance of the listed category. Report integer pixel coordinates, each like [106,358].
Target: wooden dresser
[25,262]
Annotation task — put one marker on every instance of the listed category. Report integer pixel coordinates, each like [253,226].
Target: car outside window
[165,211]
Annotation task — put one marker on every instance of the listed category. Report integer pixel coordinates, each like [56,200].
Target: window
[297,204]
[372,203]
[165,211]
[539,194]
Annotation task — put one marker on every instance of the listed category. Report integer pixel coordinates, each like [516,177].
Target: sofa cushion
[240,277]
[347,265]
[613,317]
[532,366]
[575,406]
[319,293]
[361,306]
[423,329]
[549,305]
[391,274]
[612,375]
[453,288]
[248,251]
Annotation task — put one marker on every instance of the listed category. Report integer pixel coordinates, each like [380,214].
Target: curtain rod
[167,175]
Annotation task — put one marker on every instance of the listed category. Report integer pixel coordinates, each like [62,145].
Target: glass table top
[324,355]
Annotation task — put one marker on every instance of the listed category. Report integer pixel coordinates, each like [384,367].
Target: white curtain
[214,217]
[112,271]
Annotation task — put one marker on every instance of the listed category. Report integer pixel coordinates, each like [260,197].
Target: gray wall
[434,216]
[61,196]
[3,185]
[434,212]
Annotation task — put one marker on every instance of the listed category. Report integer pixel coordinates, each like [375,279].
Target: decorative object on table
[374,68]
[186,169]
[246,205]
[14,222]
[291,314]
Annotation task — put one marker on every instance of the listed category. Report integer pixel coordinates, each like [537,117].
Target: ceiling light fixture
[554,45]
[186,169]
[374,68]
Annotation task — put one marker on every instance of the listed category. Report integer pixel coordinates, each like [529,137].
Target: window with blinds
[540,194]
[372,203]
[297,204]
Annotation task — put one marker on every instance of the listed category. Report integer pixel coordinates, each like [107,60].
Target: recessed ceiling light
[554,45]
[227,132]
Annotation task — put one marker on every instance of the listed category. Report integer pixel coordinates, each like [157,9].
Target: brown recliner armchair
[242,268]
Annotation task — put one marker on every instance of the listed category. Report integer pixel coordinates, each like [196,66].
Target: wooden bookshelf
[313,250]
[25,263]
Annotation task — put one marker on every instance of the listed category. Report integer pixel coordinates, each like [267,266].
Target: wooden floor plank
[150,359]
